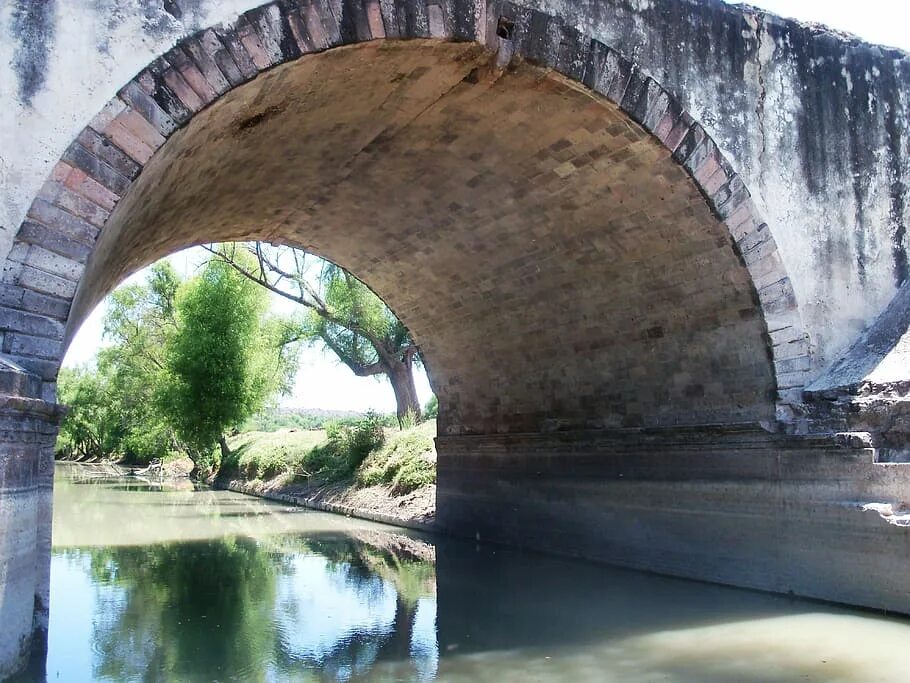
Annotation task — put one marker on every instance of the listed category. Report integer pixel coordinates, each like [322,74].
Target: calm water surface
[164,584]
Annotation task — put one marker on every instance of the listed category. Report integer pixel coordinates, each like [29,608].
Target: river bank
[390,479]
[393,483]
[170,470]
[415,510]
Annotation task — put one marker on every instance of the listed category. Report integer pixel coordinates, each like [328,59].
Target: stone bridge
[654,253]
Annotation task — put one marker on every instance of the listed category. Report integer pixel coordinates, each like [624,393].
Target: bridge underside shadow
[606,322]
[556,265]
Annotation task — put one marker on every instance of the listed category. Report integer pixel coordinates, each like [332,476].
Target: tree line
[189,361]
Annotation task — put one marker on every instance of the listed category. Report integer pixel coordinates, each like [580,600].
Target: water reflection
[155,584]
[244,609]
[356,607]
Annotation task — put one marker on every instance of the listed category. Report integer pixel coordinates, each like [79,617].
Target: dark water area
[153,583]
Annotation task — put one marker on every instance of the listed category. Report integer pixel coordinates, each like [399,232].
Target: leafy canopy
[186,361]
[353,322]
[225,357]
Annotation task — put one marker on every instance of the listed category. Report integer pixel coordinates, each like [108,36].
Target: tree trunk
[225,451]
[401,375]
[398,646]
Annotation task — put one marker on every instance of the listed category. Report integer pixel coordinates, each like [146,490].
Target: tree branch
[359,369]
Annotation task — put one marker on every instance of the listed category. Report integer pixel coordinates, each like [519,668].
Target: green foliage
[357,438]
[262,455]
[113,411]
[91,428]
[272,420]
[221,362]
[364,450]
[409,420]
[186,361]
[405,461]
[341,313]
[356,318]
[431,410]
[347,445]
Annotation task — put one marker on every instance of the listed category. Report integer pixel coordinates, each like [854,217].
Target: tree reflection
[366,564]
[230,609]
[184,609]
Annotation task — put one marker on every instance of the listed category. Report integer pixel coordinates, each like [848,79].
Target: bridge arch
[673,304]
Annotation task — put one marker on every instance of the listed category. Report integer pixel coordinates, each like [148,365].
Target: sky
[877,21]
[322,382]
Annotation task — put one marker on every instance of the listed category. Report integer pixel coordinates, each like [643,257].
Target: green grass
[262,455]
[406,460]
[365,453]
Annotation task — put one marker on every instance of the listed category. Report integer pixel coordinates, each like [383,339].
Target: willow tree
[342,314]
[225,359]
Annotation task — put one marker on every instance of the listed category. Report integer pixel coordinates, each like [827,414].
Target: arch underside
[560,266]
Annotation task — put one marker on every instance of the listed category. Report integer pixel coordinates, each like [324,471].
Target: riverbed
[157,582]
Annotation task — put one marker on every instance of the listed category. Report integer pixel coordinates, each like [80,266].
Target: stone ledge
[21,393]
[32,406]
[15,381]
[742,435]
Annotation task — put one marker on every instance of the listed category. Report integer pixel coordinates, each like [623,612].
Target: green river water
[152,583]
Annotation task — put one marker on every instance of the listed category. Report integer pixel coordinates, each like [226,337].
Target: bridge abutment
[812,516]
[28,428]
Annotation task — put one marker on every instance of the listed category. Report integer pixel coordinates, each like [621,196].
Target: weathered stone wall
[812,121]
[27,432]
[783,514]
[559,265]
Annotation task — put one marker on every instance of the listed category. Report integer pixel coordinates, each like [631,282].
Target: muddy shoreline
[416,510]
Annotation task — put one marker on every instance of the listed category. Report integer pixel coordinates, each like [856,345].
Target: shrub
[263,465]
[356,440]
[409,420]
[406,462]
[346,447]
[263,455]
[412,474]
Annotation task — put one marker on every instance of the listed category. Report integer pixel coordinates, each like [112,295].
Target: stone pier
[28,426]
[818,517]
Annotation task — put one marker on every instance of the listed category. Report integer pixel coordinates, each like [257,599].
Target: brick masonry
[565,210]
[811,517]
[28,427]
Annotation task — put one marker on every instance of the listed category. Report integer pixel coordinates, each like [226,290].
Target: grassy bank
[362,454]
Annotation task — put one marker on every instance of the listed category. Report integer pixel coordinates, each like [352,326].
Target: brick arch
[54,243]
